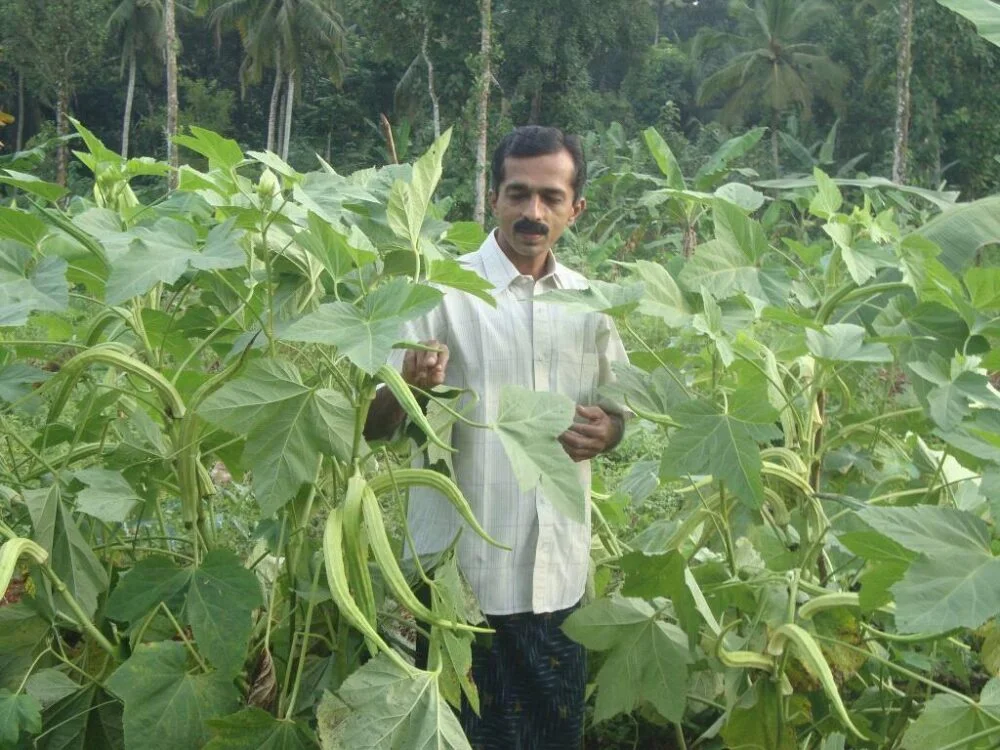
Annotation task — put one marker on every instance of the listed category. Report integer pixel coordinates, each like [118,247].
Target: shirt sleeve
[610,350]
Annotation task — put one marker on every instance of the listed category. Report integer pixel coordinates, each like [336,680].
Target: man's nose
[534,208]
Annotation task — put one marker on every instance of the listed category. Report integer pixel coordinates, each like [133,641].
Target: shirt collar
[501,272]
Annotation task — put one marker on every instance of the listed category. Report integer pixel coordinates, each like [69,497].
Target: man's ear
[492,198]
[578,208]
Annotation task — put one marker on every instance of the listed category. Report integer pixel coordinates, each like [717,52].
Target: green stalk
[82,620]
[910,674]
[304,648]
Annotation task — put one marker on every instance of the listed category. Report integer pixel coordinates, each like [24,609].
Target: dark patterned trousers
[531,679]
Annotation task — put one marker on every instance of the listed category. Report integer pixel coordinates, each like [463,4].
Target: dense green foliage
[799,551]
[795,547]
[580,65]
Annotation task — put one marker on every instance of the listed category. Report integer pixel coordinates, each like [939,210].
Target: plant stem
[82,619]
[304,648]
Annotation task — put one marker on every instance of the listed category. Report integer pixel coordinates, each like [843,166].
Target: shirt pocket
[577,377]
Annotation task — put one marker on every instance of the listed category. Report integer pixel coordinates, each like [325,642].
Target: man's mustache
[527,226]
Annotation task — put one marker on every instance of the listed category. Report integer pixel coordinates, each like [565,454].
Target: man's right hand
[426,369]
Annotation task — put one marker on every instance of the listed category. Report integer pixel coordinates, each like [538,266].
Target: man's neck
[535,267]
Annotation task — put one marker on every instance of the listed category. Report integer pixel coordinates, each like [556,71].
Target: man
[531,678]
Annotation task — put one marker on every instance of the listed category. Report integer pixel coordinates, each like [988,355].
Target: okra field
[794,548]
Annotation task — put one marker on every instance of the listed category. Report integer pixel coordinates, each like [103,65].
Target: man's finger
[576,440]
[590,412]
[589,429]
[442,360]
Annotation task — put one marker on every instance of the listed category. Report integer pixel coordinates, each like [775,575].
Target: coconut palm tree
[282,34]
[773,67]
[140,24]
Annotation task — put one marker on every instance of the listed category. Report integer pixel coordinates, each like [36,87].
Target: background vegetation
[796,546]
[580,64]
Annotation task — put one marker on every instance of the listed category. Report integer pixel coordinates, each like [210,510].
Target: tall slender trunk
[435,109]
[904,69]
[279,135]
[19,138]
[483,107]
[170,35]
[535,113]
[289,103]
[272,113]
[129,96]
[62,128]
[775,122]
[659,22]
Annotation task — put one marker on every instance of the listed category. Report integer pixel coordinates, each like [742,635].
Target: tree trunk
[904,68]
[435,109]
[536,105]
[279,136]
[659,22]
[62,128]
[19,138]
[289,103]
[775,122]
[129,96]
[170,34]
[272,113]
[483,107]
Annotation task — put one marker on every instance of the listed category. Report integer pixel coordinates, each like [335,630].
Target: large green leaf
[724,270]
[956,580]
[408,202]
[963,230]
[599,296]
[947,719]
[22,227]
[31,184]
[718,164]
[166,705]
[17,379]
[166,251]
[985,14]
[49,686]
[23,634]
[662,298]
[108,496]
[366,333]
[27,286]
[647,660]
[390,709]
[220,600]
[288,426]
[254,729]
[89,718]
[216,599]
[529,424]
[664,159]
[18,713]
[943,200]
[736,229]
[949,401]
[222,153]
[828,199]
[721,443]
[453,274]
[69,553]
[453,601]
[755,723]
[845,342]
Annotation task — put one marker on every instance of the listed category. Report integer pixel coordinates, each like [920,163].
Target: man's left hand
[600,432]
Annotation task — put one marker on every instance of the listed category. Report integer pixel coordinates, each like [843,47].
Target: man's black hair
[536,140]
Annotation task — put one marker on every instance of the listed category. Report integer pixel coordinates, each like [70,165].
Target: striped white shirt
[537,345]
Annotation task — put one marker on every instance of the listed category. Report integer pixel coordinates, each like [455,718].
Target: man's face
[534,204]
